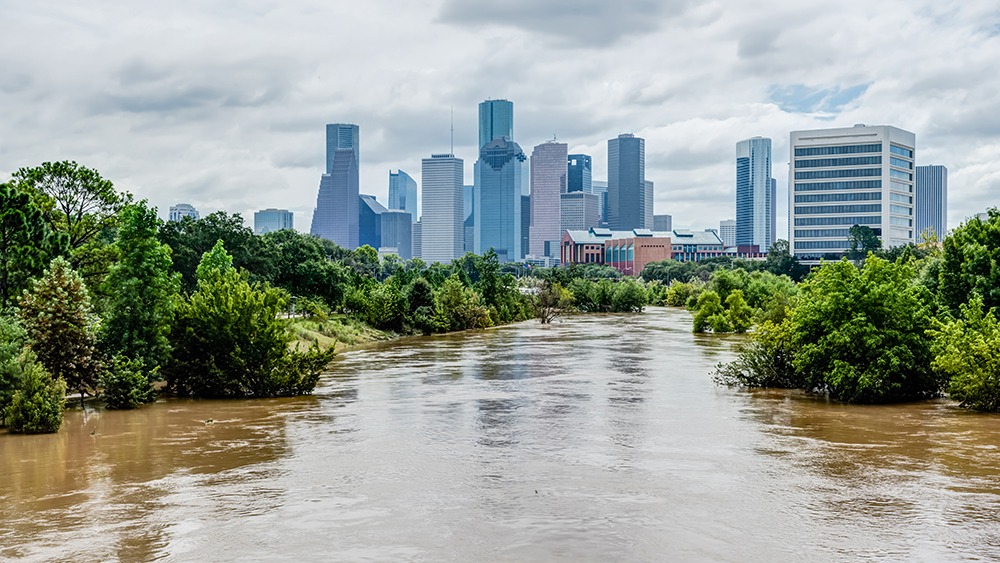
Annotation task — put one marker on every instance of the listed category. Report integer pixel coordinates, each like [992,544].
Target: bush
[125,385]
[37,405]
[965,353]
[709,311]
[766,360]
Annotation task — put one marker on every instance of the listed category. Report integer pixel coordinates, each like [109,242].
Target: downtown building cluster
[547,208]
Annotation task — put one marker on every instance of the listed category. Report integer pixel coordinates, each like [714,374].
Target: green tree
[55,312]
[860,334]
[679,293]
[13,339]
[862,241]
[77,201]
[708,308]
[965,354]
[37,405]
[970,263]
[229,342]
[766,360]
[459,307]
[552,300]
[780,262]
[629,296]
[738,313]
[125,385]
[141,291]
[26,242]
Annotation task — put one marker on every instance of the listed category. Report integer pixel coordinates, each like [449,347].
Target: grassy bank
[338,330]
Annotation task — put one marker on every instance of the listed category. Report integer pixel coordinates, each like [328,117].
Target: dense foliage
[125,385]
[37,404]
[967,354]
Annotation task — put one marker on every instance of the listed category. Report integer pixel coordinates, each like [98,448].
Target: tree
[55,312]
[780,262]
[229,340]
[26,242]
[552,300]
[125,385]
[738,313]
[860,334]
[766,360]
[965,353]
[459,307]
[37,405]
[77,201]
[629,297]
[970,263]
[862,240]
[708,308]
[13,339]
[141,291]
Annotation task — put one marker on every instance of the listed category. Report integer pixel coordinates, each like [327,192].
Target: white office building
[441,233]
[181,210]
[861,175]
[727,232]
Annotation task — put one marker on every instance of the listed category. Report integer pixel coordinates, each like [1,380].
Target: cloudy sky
[223,104]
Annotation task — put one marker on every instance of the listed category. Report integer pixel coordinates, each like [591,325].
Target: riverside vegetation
[99,297]
[891,325]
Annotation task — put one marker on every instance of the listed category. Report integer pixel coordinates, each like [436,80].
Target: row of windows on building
[852,149]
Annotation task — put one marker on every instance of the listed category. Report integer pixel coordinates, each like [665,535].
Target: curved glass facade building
[755,203]
[502,179]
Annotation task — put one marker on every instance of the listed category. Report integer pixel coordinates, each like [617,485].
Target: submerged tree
[55,313]
[552,300]
[966,354]
[37,405]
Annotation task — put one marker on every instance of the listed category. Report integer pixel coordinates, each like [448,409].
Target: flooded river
[594,439]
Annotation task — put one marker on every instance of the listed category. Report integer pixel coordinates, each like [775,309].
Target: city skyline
[240,113]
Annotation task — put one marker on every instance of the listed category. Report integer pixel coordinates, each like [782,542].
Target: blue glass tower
[335,217]
[501,181]
[370,221]
[755,203]
[579,176]
[496,119]
[627,183]
[403,193]
[931,201]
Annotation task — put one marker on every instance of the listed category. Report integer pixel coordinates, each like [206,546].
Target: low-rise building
[695,246]
[626,251]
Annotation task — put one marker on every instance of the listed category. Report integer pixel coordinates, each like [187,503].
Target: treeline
[100,297]
[909,323]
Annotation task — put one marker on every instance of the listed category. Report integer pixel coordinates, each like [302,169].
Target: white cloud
[224,104]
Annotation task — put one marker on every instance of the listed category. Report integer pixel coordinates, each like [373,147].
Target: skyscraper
[548,180]
[861,175]
[754,193]
[403,192]
[397,232]
[580,173]
[727,232]
[441,230]
[270,220]
[468,207]
[370,221]
[496,119]
[663,223]
[181,210]
[647,204]
[336,215]
[931,201]
[626,183]
[600,189]
[579,211]
[501,180]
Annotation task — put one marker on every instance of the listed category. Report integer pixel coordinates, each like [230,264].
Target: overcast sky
[223,104]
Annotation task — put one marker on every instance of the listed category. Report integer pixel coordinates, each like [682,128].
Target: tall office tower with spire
[336,216]
[548,179]
[441,225]
[496,119]
[754,193]
[861,175]
[580,174]
[501,181]
[403,192]
[931,201]
[627,183]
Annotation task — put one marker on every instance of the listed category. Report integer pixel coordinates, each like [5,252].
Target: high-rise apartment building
[501,181]
[861,175]
[663,223]
[627,183]
[397,232]
[727,232]
[496,119]
[441,230]
[370,221]
[579,176]
[336,214]
[600,189]
[548,180]
[754,193]
[403,192]
[931,201]
[270,220]
[181,210]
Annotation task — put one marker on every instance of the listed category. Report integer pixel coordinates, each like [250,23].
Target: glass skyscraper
[181,210]
[627,183]
[441,230]
[548,180]
[403,192]
[397,232]
[580,174]
[335,217]
[501,181]
[754,193]
[496,119]
[270,220]
[370,221]
[931,201]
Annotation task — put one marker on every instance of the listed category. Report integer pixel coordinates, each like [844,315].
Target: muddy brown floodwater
[597,438]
